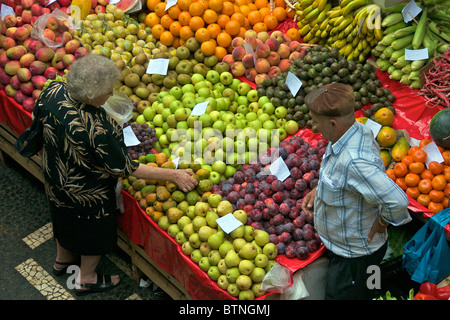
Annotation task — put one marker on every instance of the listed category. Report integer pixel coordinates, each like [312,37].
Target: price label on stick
[294,84]
[249,50]
[410,11]
[433,153]
[374,126]
[419,54]
[279,169]
[176,161]
[129,137]
[200,108]
[170,3]
[228,223]
[158,66]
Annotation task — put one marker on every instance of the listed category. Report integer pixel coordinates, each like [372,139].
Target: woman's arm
[182,178]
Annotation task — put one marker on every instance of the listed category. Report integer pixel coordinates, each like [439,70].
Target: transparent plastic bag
[119,107]
[277,279]
[61,23]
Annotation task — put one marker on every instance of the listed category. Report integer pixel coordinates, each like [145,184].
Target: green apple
[226,78]
[269,125]
[240,124]
[140,119]
[268,108]
[204,92]
[197,77]
[219,125]
[213,76]
[214,177]
[229,171]
[219,86]
[280,123]
[291,127]
[281,112]
[242,100]
[253,106]
[234,84]
[215,115]
[181,114]
[189,87]
[263,117]
[206,120]
[243,88]
[263,100]
[174,105]
[149,113]
[252,95]
[243,109]
[158,120]
[251,116]
[166,113]
[219,167]
[188,102]
[176,92]
[161,95]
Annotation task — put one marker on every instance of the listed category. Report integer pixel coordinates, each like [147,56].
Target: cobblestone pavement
[28,249]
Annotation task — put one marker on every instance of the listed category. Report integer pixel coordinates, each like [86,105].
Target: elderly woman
[83,156]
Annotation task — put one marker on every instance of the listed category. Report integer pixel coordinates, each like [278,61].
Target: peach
[283,51]
[10,21]
[80,52]
[15,82]
[45,10]
[250,33]
[26,60]
[45,54]
[284,65]
[238,69]
[248,60]
[24,74]
[22,33]
[295,55]
[49,34]
[38,67]
[251,41]
[26,4]
[237,42]
[263,36]
[20,97]
[262,65]
[295,46]
[34,46]
[274,71]
[278,35]
[36,9]
[51,73]
[262,50]
[52,23]
[26,16]
[10,91]
[8,43]
[15,53]
[274,58]
[72,45]
[260,78]
[228,58]
[273,44]
[238,53]
[28,104]
[68,59]
[251,74]
[10,32]
[38,81]
[36,93]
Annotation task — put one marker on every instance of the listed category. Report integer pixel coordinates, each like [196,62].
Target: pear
[222,282]
[258,274]
[238,243]
[269,265]
[270,250]
[194,240]
[232,274]
[261,260]
[224,247]
[224,207]
[190,212]
[222,266]
[258,248]
[214,200]
[244,282]
[181,238]
[205,232]
[164,223]
[233,290]
[198,222]
[204,264]
[248,251]
[213,273]
[174,214]
[216,240]
[211,217]
[187,248]
[261,237]
[241,215]
[188,229]
[183,221]
[201,208]
[205,249]
[246,295]
[214,257]
[232,259]
[246,267]
[196,255]
[257,291]
[248,233]
[173,230]
[238,232]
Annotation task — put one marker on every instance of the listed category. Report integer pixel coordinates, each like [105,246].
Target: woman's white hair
[92,76]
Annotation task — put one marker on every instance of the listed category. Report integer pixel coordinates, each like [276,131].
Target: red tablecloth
[13,114]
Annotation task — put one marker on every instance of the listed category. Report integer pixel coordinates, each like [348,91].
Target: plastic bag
[64,21]
[277,279]
[119,107]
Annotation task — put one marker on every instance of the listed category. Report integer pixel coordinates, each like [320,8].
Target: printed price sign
[418,54]
[374,126]
[6,11]
[433,153]
[228,223]
[200,108]
[294,84]
[129,137]
[410,11]
[279,169]
[158,66]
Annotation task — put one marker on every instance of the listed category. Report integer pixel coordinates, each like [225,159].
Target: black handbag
[31,140]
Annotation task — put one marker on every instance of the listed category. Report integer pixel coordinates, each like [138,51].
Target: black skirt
[84,236]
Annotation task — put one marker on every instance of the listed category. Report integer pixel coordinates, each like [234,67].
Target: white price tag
[228,223]
[6,11]
[410,11]
[249,49]
[199,108]
[170,3]
[374,126]
[51,1]
[433,153]
[176,161]
[418,54]
[279,169]
[129,137]
[114,1]
[158,66]
[294,84]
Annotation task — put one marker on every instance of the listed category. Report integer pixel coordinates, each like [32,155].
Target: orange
[280,3]
[224,39]
[166,20]
[242,32]
[439,182]
[416,167]
[204,3]
[252,7]
[419,155]
[184,18]
[264,12]
[240,2]
[196,9]
[261,3]
[214,30]
[447,175]
[157,30]
[412,179]
[412,150]
[424,142]
[390,173]
[177,42]
[202,35]
[227,8]
[166,38]
[220,52]
[446,156]
[279,13]
[436,167]
[436,195]
[222,20]
[400,169]
[239,17]
[425,186]
[196,23]
[160,9]
[233,27]
[293,34]
[210,16]
[208,48]
[175,28]
[254,17]
[186,32]
[174,11]
[435,207]
[427,174]
[151,19]
[270,21]
[290,13]
[245,9]
[401,183]
[216,5]
[151,4]
[445,202]
[413,192]
[260,27]
[184,4]
[407,160]
[423,199]
[447,189]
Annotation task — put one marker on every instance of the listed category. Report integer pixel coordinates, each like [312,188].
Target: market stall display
[231,66]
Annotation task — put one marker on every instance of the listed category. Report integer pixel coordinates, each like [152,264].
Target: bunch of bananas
[430,29]
[354,27]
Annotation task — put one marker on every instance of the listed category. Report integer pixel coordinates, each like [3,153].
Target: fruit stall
[245,66]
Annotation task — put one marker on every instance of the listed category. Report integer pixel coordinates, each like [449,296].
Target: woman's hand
[184,180]
[308,202]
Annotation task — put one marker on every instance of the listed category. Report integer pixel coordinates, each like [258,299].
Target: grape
[146,135]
